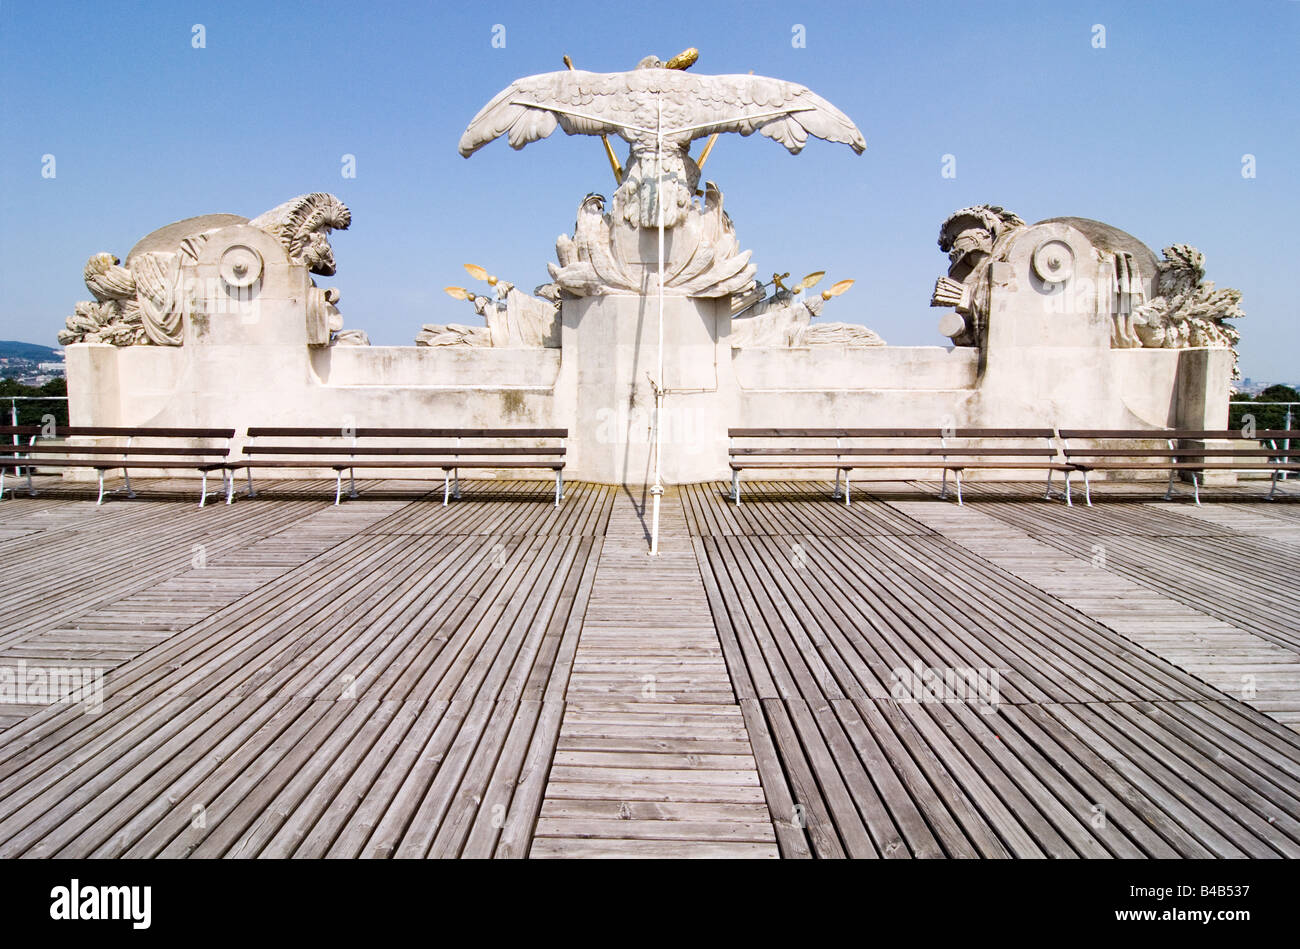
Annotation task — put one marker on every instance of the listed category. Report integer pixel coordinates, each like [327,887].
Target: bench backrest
[890,432]
[1101,443]
[370,432]
[117,431]
[921,442]
[1180,434]
[319,443]
[137,442]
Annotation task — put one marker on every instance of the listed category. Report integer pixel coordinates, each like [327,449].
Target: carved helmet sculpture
[1151,303]
[141,302]
[303,226]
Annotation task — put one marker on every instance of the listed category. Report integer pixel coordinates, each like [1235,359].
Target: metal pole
[657,491]
[1287,446]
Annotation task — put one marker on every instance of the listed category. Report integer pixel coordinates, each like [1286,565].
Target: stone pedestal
[1203,376]
[611,354]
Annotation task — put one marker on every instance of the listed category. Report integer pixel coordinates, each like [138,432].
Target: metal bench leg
[352,493]
[455,492]
[126,475]
[1048,495]
[1271,490]
[338,486]
[251,492]
[1087,487]
[943,489]
[228,479]
[735,485]
[100,499]
[848,488]
[2,484]
[836,493]
[31,491]
[204,496]
[957,476]
[1169,491]
[1196,488]
[559,487]
[446,486]
[1069,491]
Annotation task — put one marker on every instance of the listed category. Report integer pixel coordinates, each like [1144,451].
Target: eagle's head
[99,264]
[107,280]
[590,217]
[683,60]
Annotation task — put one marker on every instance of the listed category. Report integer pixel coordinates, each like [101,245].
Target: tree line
[32,413]
[1266,416]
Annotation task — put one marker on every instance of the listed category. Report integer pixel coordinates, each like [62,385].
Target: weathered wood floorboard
[1075,719]
[502,678]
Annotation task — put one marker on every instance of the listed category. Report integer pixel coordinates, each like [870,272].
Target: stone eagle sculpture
[655,102]
[629,104]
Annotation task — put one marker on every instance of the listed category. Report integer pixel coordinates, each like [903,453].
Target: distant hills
[13,349]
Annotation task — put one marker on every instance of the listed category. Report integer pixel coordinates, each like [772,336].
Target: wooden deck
[389,677]
[653,758]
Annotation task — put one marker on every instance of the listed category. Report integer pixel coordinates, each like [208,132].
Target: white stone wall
[1048,362]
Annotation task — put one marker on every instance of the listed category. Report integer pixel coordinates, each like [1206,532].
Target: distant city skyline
[1155,130]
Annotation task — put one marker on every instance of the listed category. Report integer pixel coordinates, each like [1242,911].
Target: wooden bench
[448,449]
[916,449]
[141,448]
[1103,454]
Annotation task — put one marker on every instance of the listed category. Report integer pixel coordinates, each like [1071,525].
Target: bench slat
[858,452]
[890,432]
[441,463]
[1181,452]
[1179,434]
[338,432]
[440,450]
[123,450]
[63,431]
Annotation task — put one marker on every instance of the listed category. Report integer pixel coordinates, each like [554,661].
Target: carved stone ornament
[1053,261]
[658,109]
[240,266]
[144,301]
[1186,311]
[607,256]
[514,320]
[971,237]
[785,320]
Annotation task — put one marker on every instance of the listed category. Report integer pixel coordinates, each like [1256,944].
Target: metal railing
[15,399]
[1290,416]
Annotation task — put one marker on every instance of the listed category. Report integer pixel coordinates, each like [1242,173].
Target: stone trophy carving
[1186,311]
[972,238]
[513,319]
[143,301]
[658,109]
[784,320]
[1151,303]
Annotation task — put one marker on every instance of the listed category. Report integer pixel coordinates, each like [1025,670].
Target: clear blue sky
[1147,134]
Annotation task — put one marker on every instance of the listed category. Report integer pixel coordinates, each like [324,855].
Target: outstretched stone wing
[587,103]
